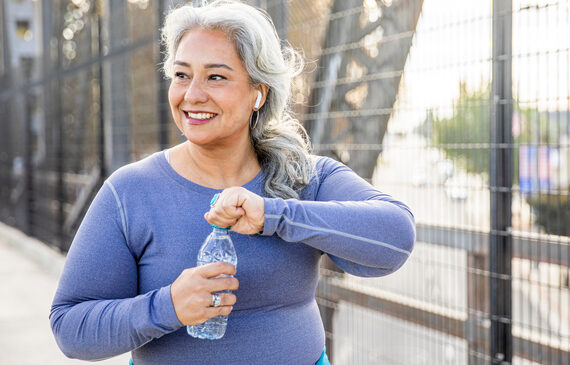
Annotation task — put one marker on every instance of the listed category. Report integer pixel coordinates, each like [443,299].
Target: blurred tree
[365,48]
[551,210]
[464,138]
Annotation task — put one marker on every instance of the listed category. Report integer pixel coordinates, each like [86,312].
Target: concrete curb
[49,260]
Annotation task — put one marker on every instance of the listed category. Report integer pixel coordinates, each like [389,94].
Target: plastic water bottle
[218,246]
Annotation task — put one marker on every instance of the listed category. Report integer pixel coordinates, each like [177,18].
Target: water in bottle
[218,246]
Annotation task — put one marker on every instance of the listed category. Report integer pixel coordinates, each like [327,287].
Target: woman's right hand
[192,292]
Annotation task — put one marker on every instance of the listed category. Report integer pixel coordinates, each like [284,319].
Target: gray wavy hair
[280,141]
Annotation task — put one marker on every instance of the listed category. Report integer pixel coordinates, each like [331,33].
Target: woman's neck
[215,168]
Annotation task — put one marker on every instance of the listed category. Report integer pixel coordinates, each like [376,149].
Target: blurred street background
[459,108]
[30,271]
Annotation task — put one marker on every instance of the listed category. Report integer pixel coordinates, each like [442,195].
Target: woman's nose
[195,92]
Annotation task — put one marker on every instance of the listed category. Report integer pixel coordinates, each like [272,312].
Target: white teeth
[200,115]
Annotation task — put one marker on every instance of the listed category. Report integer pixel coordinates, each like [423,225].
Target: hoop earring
[253,124]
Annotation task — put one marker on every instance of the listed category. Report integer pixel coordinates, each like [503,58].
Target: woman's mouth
[198,117]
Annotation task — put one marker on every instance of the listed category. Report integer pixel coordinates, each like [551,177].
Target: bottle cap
[212,202]
[225,229]
[214,199]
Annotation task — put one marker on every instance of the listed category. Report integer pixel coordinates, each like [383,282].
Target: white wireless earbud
[258,100]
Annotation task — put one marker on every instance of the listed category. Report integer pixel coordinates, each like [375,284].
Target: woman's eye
[217,77]
[180,75]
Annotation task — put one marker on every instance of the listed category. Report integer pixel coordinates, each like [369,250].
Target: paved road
[28,278]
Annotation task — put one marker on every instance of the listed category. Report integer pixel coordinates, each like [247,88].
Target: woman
[130,281]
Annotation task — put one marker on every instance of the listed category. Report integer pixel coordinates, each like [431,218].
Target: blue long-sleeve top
[145,227]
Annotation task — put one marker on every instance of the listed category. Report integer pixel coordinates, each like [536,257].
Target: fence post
[26,69]
[501,180]
[116,83]
[476,331]
[8,205]
[163,109]
[278,11]
[101,76]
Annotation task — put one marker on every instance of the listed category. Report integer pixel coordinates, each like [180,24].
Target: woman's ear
[258,100]
[262,91]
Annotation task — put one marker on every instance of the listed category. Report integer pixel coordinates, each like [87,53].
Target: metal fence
[460,109]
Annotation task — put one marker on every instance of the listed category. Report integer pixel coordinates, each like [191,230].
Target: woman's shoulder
[325,165]
[145,170]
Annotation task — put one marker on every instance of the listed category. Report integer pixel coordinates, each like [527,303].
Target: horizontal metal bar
[469,240]
[542,250]
[535,247]
[126,49]
[407,313]
[523,348]
[539,353]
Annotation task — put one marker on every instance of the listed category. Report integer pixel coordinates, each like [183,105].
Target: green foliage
[551,213]
[464,136]
[535,127]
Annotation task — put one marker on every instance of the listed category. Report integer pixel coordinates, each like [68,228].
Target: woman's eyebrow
[181,63]
[218,65]
[208,65]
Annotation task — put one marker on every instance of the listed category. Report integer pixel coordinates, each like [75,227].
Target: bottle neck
[219,230]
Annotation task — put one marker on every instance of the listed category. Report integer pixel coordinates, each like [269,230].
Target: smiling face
[210,95]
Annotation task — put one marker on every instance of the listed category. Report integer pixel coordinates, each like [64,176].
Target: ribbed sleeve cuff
[163,308]
[272,216]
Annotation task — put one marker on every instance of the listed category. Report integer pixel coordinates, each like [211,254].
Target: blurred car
[456,187]
[419,178]
[444,169]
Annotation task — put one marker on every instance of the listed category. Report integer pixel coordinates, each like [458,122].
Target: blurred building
[20,50]
[20,30]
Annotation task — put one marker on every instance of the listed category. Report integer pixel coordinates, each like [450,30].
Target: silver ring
[216,300]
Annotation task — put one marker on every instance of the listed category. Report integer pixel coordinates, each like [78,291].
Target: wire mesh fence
[460,109]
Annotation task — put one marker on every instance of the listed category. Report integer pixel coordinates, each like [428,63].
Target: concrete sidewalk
[29,271]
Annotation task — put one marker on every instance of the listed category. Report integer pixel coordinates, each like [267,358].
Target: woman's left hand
[239,208]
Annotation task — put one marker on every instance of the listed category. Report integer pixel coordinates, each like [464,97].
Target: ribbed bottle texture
[218,246]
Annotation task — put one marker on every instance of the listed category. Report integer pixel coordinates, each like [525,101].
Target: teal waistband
[323,360]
